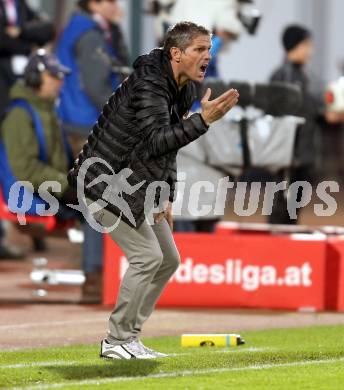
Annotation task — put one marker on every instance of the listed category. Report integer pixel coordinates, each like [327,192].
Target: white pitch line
[71,363]
[51,323]
[40,364]
[175,374]
[234,350]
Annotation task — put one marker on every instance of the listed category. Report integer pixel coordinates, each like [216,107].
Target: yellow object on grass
[212,340]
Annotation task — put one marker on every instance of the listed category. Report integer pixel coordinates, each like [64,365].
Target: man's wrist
[204,120]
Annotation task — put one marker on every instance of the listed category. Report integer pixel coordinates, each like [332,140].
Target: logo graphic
[116,186]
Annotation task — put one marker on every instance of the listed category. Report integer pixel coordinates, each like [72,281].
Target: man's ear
[175,54]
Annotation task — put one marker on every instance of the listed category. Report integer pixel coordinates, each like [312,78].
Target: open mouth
[203,68]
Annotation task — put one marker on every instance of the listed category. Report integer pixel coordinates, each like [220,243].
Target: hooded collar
[20,91]
[159,61]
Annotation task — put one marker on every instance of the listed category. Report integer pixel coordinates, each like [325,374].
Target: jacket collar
[167,66]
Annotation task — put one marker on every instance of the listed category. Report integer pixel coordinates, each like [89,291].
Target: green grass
[293,359]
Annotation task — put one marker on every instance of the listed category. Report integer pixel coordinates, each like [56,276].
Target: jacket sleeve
[38,32]
[283,74]
[34,30]
[11,46]
[23,153]
[172,180]
[153,117]
[95,72]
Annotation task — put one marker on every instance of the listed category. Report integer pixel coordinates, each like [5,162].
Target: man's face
[108,9]
[302,53]
[306,50]
[195,58]
[51,86]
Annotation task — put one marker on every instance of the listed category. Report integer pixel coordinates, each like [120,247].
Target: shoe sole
[111,358]
[119,357]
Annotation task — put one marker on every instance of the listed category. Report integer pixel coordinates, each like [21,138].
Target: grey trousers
[153,258]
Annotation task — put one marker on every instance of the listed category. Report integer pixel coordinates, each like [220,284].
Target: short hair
[84,4]
[293,35]
[181,35]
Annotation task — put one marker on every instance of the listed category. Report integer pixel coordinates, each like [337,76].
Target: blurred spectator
[90,45]
[21,30]
[37,151]
[298,45]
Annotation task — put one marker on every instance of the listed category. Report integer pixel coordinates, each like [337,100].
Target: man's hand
[167,214]
[212,110]
[334,117]
[13,31]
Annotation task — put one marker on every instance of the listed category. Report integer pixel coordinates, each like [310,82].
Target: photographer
[35,150]
[21,30]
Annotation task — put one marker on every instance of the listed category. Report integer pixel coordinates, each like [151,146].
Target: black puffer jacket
[140,128]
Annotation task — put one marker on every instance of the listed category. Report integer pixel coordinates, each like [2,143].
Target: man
[221,17]
[141,128]
[36,149]
[21,30]
[89,45]
[298,45]
[18,137]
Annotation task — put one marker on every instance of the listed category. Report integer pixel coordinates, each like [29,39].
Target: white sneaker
[151,351]
[130,350]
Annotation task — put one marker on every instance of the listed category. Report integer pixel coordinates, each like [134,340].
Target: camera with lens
[249,15]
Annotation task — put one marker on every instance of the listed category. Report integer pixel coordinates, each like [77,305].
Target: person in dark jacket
[21,29]
[140,131]
[298,45]
[89,45]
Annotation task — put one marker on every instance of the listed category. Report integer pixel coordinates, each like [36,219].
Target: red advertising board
[334,277]
[262,271]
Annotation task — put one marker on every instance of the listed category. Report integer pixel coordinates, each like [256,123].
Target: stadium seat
[48,222]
